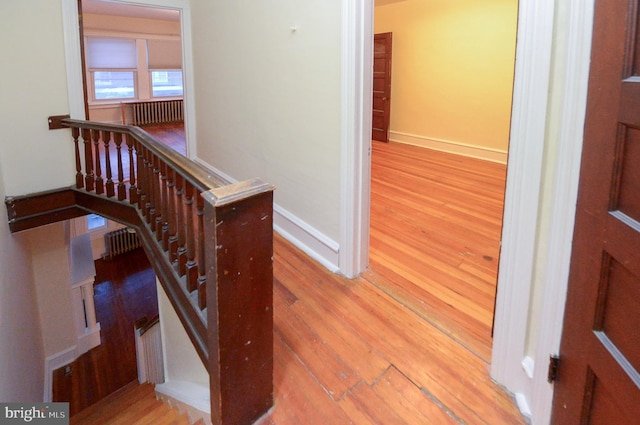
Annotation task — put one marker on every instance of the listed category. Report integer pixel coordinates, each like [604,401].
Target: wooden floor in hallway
[407,342]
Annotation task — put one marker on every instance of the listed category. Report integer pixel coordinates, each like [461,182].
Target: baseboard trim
[88,341]
[311,241]
[188,397]
[53,362]
[479,152]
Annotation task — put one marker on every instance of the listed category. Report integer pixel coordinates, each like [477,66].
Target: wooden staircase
[210,243]
[133,404]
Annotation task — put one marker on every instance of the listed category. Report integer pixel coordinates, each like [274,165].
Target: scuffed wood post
[239,238]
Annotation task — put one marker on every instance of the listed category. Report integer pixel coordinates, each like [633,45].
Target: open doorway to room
[132,65]
[437,189]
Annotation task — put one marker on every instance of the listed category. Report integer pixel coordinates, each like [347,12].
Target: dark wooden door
[599,379]
[381,86]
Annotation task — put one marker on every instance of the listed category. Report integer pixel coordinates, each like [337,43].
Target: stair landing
[133,404]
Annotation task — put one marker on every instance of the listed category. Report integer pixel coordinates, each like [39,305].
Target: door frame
[75,66]
[514,356]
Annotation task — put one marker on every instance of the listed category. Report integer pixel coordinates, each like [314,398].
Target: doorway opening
[437,189]
[132,63]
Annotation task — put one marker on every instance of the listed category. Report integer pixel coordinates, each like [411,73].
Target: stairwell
[133,404]
[210,243]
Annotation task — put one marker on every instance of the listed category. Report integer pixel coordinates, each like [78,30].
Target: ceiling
[120,9]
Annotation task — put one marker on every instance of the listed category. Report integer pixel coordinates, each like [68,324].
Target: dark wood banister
[210,243]
[144,324]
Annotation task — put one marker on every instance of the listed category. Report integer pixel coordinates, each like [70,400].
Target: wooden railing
[210,243]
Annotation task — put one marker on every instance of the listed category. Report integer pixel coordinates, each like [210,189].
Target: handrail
[143,324]
[210,243]
[192,171]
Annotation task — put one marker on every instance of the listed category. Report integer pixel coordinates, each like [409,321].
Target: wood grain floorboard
[435,237]
[432,374]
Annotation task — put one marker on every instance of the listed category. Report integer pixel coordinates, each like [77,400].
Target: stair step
[134,404]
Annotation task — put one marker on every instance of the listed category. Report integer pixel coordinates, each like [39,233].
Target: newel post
[239,232]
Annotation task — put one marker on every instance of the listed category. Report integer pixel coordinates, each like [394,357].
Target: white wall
[33,86]
[182,363]
[452,70]
[51,271]
[268,99]
[35,158]
[21,350]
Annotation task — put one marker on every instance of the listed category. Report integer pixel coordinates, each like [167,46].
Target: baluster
[157,197]
[106,138]
[191,266]
[181,252]
[98,168]
[202,271]
[171,242]
[88,159]
[166,201]
[75,132]
[141,168]
[122,189]
[151,190]
[133,189]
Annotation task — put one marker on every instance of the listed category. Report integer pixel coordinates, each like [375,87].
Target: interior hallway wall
[21,350]
[268,100]
[32,86]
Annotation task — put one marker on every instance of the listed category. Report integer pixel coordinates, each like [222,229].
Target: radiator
[156,112]
[120,241]
[149,352]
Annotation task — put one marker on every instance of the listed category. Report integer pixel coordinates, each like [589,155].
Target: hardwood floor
[133,404]
[125,291]
[436,220]
[171,135]
[407,342]
[347,352]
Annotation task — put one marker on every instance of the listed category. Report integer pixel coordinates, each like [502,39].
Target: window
[166,83]
[164,60]
[112,63]
[140,68]
[114,85]
[95,221]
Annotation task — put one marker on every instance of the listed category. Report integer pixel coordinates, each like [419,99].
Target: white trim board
[457,148]
[567,176]
[311,241]
[522,197]
[53,362]
[355,138]
[530,114]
